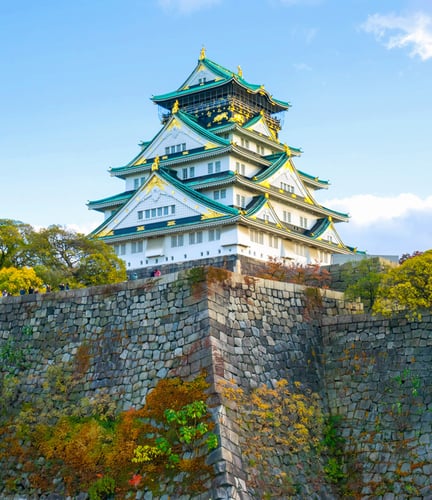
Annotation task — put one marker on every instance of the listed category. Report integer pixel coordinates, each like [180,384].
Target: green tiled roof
[226,76]
[121,197]
[196,195]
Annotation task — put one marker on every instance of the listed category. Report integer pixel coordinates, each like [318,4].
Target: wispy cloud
[413,32]
[186,6]
[302,67]
[386,225]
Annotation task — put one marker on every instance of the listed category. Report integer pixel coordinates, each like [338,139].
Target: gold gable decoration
[105,232]
[155,164]
[210,214]
[155,182]
[175,107]
[202,54]
[140,161]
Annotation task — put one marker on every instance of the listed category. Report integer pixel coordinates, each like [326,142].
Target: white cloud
[186,6]
[414,32]
[302,67]
[390,225]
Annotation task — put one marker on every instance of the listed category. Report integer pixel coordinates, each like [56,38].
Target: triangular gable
[259,125]
[181,133]
[324,230]
[200,75]
[263,210]
[164,202]
[287,180]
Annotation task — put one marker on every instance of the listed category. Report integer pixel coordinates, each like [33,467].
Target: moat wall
[374,373]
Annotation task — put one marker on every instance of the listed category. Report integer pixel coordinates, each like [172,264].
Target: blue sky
[77,77]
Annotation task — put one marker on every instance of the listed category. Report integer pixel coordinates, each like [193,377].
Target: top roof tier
[210,84]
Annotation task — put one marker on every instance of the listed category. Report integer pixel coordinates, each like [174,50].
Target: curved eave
[256,206]
[110,202]
[167,100]
[190,122]
[163,228]
[293,235]
[167,161]
[292,199]
[274,167]
[214,205]
[313,181]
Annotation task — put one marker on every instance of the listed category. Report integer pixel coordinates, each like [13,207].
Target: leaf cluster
[407,287]
[54,255]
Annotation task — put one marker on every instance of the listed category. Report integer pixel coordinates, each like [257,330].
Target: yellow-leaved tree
[13,280]
[407,287]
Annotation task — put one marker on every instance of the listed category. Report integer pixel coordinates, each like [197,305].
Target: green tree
[63,255]
[407,287]
[13,239]
[362,280]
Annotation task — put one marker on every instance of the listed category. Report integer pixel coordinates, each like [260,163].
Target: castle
[216,182]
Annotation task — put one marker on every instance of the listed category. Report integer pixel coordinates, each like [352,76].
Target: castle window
[240,168]
[188,173]
[240,200]
[220,194]
[244,142]
[202,80]
[136,183]
[287,187]
[286,216]
[260,149]
[300,250]
[177,148]
[303,222]
[177,241]
[214,234]
[120,249]
[257,236]
[157,212]
[136,246]
[195,238]
[274,241]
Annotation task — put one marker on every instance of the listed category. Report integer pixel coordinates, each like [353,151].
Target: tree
[362,280]
[13,238]
[63,255]
[407,287]
[407,256]
[13,280]
[59,255]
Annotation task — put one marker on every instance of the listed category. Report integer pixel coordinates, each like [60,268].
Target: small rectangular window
[159,211]
[147,214]
[217,166]
[140,214]
[173,149]
[185,173]
[210,168]
[167,150]
[153,212]
[136,183]
[192,172]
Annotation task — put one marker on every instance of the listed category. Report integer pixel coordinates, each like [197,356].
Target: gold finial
[287,149]
[175,107]
[239,71]
[202,54]
[155,165]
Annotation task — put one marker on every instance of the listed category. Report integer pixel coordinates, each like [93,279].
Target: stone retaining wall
[253,332]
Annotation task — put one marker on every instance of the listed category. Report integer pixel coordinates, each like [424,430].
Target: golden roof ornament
[155,165]
[239,71]
[202,54]
[287,149]
[175,107]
